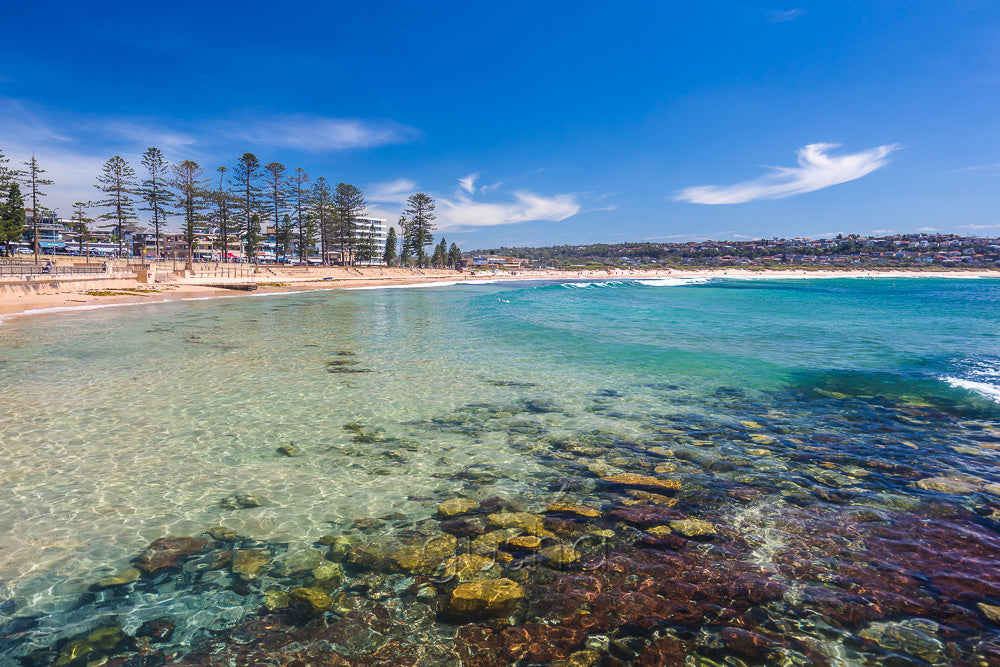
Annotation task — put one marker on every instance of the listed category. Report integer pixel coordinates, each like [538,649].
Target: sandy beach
[48,294]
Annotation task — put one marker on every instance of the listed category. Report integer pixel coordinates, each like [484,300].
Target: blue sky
[538,123]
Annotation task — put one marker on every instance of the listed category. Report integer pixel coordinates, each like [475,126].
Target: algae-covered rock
[665,467]
[241,501]
[560,555]
[416,554]
[124,577]
[295,561]
[423,558]
[168,552]
[275,600]
[289,450]
[457,506]
[990,611]
[692,527]
[221,533]
[533,524]
[568,508]
[945,484]
[489,598]
[326,573]
[340,546]
[316,598]
[660,531]
[95,648]
[522,543]
[631,479]
[469,567]
[660,451]
[652,498]
[250,563]
[587,658]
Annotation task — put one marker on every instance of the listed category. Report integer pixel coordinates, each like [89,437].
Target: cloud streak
[784,16]
[460,211]
[817,170]
[319,134]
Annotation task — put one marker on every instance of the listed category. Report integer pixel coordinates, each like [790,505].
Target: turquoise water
[792,409]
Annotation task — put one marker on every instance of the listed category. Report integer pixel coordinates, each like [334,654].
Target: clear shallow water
[124,425]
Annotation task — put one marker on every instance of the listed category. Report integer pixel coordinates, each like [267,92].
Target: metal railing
[21,269]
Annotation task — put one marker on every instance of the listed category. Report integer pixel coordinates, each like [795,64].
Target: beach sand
[46,295]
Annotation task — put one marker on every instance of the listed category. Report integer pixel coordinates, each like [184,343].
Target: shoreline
[52,298]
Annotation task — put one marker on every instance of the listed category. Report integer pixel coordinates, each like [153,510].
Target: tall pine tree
[420,216]
[389,256]
[155,192]
[190,183]
[350,204]
[117,184]
[275,199]
[406,251]
[246,183]
[298,198]
[321,204]
[33,180]
[12,217]
[81,226]
[223,213]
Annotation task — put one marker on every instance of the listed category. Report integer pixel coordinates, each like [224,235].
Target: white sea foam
[990,391]
[440,283]
[672,282]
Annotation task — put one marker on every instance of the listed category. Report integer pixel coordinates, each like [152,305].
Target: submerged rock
[567,508]
[692,527]
[157,630]
[533,524]
[124,577]
[457,506]
[250,563]
[469,567]
[296,561]
[289,450]
[415,554]
[631,479]
[560,555]
[522,543]
[167,553]
[489,598]
[241,501]
[94,649]
[945,484]
[315,599]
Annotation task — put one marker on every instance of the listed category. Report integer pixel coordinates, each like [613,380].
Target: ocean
[729,471]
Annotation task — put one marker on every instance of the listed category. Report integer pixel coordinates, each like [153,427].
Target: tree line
[239,201]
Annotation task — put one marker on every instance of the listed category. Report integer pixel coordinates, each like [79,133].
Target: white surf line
[990,391]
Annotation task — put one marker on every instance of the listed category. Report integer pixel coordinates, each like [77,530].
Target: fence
[19,269]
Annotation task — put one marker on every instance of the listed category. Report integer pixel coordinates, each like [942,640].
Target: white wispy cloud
[462,212]
[391,192]
[784,16]
[928,229]
[979,167]
[817,170]
[979,226]
[468,183]
[465,210]
[318,134]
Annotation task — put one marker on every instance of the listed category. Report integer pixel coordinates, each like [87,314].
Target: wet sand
[42,296]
